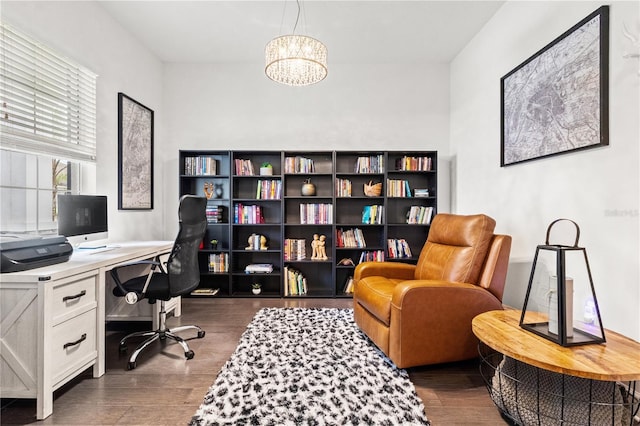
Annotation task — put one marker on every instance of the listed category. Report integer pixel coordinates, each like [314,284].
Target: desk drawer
[73,297]
[73,344]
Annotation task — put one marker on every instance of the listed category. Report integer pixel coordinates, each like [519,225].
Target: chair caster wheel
[131,365]
[122,348]
[200,334]
[189,354]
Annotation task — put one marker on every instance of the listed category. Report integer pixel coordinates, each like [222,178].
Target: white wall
[84,32]
[598,188]
[235,106]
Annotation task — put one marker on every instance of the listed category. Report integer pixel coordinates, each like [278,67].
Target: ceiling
[353,31]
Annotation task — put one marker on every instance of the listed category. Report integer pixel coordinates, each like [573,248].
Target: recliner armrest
[402,271]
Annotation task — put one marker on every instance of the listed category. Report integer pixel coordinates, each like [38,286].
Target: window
[47,132]
[48,103]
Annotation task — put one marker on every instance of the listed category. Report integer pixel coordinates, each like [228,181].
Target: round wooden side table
[534,381]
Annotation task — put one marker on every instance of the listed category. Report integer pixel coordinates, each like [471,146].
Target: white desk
[52,320]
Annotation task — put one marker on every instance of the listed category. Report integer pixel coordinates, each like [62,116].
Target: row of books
[219,262]
[350,238]
[268,189]
[414,163]
[419,215]
[398,248]
[316,214]
[247,214]
[371,164]
[214,213]
[295,283]
[372,256]
[343,187]
[200,166]
[298,164]
[294,249]
[243,167]
[373,214]
[398,188]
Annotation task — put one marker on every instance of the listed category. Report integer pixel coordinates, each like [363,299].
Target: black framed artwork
[557,101]
[135,155]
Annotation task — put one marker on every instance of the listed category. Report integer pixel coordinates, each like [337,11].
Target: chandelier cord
[297,17]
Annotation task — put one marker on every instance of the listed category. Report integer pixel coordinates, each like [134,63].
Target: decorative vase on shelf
[308,188]
[218,190]
[256,289]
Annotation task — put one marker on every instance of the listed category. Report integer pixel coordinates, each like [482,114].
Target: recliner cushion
[455,248]
[374,295]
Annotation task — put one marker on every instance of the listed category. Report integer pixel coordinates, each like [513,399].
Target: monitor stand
[92,245]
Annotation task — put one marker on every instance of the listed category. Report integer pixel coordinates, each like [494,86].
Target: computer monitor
[83,220]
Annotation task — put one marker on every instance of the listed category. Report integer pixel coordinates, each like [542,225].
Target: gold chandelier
[296,60]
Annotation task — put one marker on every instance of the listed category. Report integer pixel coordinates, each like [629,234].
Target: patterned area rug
[298,366]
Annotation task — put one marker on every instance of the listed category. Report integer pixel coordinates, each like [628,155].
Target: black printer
[19,253]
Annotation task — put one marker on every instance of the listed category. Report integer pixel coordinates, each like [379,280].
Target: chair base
[162,333]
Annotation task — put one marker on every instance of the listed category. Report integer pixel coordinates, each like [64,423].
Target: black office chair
[179,275]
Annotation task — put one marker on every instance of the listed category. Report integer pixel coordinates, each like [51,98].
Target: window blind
[47,102]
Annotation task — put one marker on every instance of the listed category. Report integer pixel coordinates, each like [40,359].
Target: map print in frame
[557,100]
[135,155]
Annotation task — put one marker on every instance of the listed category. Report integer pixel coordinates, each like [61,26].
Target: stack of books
[258,268]
[214,213]
[294,249]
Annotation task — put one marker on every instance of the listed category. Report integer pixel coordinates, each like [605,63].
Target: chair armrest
[403,271]
[155,263]
[443,296]
[430,321]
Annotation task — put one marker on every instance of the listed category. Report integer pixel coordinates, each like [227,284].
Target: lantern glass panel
[561,296]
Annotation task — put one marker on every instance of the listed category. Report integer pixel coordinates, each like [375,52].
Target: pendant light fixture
[296,60]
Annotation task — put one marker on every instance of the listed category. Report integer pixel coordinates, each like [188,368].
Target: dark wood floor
[165,389]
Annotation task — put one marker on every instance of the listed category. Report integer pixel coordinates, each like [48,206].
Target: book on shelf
[350,238]
[348,286]
[370,164]
[247,214]
[372,256]
[268,189]
[398,248]
[343,187]
[298,164]
[373,215]
[316,214]
[214,213]
[295,283]
[218,262]
[258,268]
[398,188]
[414,163]
[421,192]
[243,167]
[205,291]
[200,166]
[420,215]
[294,249]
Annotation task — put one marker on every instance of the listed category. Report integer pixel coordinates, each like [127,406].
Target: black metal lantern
[561,303]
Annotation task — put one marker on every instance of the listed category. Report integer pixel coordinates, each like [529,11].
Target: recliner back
[456,248]
[182,266]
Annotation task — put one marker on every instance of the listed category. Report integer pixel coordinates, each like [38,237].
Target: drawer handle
[77,342]
[75,296]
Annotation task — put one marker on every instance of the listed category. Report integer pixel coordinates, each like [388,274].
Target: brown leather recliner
[421,314]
